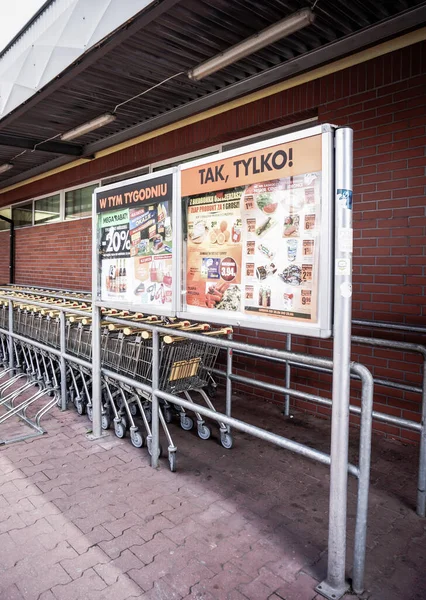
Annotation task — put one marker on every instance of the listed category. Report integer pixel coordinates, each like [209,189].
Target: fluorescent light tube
[271,34]
[5,167]
[88,127]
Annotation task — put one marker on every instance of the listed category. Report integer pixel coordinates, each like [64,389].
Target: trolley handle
[168,339]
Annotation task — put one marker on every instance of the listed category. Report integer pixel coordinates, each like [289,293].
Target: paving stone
[81,543]
[33,583]
[122,564]
[82,588]
[262,586]
[12,593]
[117,526]
[303,588]
[114,546]
[47,596]
[147,551]
[183,580]
[124,588]
[81,562]
[161,591]
[227,579]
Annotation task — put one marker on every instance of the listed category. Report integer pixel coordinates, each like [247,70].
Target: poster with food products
[214,250]
[253,234]
[280,261]
[136,242]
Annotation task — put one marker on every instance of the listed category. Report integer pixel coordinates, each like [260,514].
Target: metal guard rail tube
[286,355]
[258,432]
[378,416]
[421,487]
[384,382]
[395,326]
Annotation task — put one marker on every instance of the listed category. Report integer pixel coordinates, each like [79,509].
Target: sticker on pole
[344,198]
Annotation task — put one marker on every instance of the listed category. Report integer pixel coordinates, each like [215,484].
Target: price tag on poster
[257,224]
[135,240]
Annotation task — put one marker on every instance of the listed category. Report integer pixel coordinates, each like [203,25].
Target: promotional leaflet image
[253,250]
[135,243]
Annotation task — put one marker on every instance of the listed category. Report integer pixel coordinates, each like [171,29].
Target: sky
[14,14]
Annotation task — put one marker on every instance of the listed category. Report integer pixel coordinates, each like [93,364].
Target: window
[4,225]
[47,209]
[78,203]
[23,215]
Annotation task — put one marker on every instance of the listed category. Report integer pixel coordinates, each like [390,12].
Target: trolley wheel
[105,422]
[168,415]
[123,421]
[133,410]
[172,461]
[90,413]
[226,440]
[136,439]
[186,423]
[204,432]
[148,413]
[119,430]
[81,407]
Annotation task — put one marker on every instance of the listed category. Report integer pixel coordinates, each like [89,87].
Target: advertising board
[135,227]
[257,226]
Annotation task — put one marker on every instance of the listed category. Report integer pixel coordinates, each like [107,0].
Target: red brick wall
[55,255]
[4,257]
[384,101]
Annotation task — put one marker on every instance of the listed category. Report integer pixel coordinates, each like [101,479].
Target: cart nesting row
[185,365]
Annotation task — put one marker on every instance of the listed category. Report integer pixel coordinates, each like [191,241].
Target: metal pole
[11,350]
[12,253]
[96,333]
[363,478]
[335,585]
[229,355]
[62,338]
[287,377]
[155,421]
[421,488]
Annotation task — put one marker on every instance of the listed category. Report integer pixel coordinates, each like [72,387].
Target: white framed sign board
[135,227]
[258,235]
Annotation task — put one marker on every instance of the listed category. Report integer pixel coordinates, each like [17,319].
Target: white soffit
[60,35]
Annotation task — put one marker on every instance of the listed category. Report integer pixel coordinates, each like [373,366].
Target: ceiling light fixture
[5,167]
[88,127]
[271,34]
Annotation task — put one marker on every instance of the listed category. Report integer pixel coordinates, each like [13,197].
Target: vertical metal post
[363,478]
[11,350]
[63,365]
[287,377]
[96,334]
[335,585]
[12,252]
[155,420]
[421,487]
[229,355]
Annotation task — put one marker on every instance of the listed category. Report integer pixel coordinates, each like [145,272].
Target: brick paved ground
[84,520]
